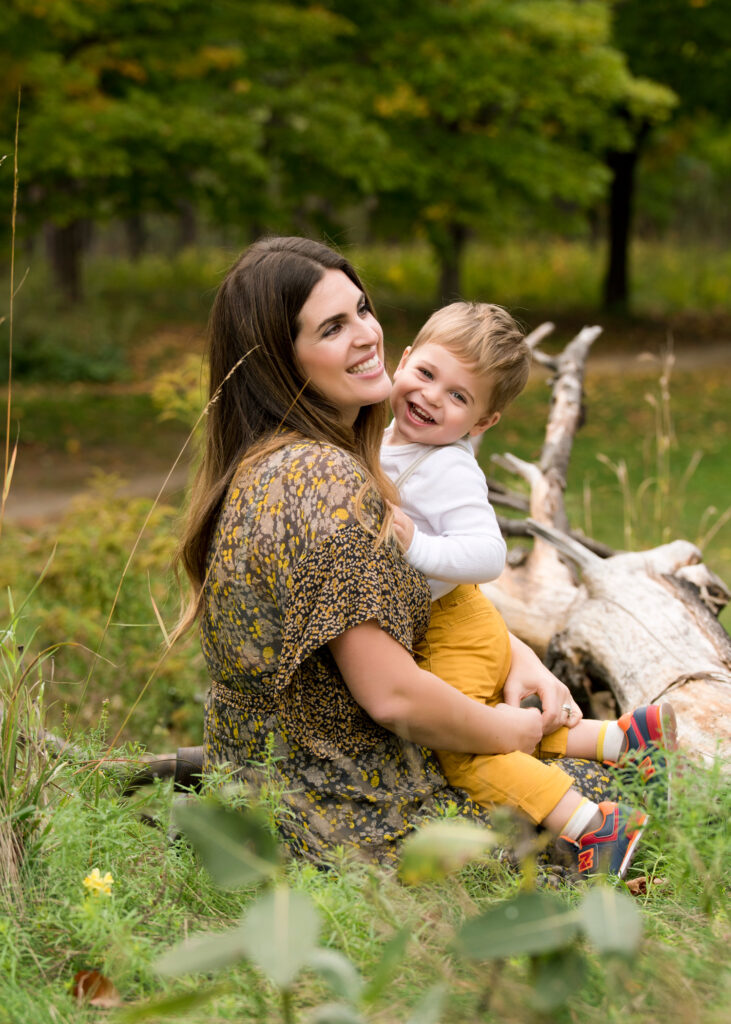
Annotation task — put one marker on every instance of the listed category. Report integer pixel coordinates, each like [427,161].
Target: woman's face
[340,345]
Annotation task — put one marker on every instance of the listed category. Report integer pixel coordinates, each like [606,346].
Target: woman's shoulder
[314,461]
[309,488]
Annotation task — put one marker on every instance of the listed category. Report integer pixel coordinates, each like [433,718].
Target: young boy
[467,363]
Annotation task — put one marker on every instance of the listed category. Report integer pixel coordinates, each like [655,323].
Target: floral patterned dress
[291,567]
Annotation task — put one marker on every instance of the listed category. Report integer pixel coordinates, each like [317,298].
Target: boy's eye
[459,396]
[425,373]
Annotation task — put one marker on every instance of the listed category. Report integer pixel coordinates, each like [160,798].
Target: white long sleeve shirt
[456,537]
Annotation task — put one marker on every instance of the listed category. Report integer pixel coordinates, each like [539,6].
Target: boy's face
[437,399]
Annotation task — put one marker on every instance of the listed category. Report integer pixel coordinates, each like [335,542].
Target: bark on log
[643,624]
[640,628]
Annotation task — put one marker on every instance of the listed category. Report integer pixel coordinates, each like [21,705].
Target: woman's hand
[403,527]
[528,675]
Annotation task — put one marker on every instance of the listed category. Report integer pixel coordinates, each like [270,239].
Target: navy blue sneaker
[651,732]
[609,849]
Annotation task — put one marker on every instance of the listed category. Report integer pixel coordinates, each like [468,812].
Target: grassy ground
[67,820]
[51,926]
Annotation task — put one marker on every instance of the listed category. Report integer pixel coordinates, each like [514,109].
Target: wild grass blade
[7,470]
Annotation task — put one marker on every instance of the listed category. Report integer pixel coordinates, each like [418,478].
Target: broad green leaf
[335,1013]
[206,952]
[338,972]
[170,1006]
[557,977]
[236,847]
[280,933]
[441,847]
[429,1008]
[534,922]
[393,954]
[611,920]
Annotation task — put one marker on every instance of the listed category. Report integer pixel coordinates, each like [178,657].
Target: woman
[308,611]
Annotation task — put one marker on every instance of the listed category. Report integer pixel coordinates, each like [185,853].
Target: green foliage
[236,848]
[383,952]
[287,116]
[534,922]
[26,768]
[440,848]
[120,658]
[279,931]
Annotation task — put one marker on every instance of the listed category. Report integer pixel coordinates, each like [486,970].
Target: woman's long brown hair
[259,398]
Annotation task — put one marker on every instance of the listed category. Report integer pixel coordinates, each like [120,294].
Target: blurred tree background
[449,121]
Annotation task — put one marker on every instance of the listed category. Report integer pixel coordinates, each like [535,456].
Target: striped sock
[582,821]
[611,742]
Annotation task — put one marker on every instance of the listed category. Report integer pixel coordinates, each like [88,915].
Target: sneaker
[609,849]
[651,731]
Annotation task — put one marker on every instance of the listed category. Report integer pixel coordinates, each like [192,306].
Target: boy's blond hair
[487,338]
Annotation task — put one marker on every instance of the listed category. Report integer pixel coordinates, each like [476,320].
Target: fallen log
[640,628]
[641,625]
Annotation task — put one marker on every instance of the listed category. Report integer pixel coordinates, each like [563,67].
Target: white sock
[611,742]
[582,820]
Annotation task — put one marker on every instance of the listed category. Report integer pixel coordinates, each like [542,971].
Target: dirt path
[28,505]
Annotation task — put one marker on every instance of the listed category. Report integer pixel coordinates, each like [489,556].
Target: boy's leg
[646,730]
[515,780]
[467,644]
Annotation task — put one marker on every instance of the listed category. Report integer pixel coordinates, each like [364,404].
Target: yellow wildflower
[97,883]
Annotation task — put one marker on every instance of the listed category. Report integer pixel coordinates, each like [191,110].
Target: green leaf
[280,933]
[206,952]
[429,1008]
[335,1013]
[534,922]
[556,978]
[611,920]
[338,972]
[236,847]
[441,847]
[170,1006]
[393,953]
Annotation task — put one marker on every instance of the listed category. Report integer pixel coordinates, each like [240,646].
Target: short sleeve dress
[291,567]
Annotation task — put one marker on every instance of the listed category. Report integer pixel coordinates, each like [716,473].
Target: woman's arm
[419,706]
[529,675]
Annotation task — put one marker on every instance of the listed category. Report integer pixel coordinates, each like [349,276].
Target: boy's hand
[520,729]
[403,527]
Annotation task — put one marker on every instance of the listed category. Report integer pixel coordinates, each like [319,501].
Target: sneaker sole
[630,851]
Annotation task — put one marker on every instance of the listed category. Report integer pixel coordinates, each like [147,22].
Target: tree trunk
[450,248]
[65,247]
[137,237]
[187,224]
[623,165]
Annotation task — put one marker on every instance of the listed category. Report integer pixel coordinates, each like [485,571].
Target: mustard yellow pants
[467,645]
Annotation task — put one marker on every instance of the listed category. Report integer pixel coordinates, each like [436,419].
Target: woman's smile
[369,365]
[340,345]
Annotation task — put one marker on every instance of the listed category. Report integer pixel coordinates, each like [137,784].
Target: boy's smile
[436,398]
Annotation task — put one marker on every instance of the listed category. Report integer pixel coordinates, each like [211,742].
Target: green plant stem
[287,1006]
[6,468]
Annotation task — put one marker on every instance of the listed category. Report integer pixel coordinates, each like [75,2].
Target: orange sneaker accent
[586,860]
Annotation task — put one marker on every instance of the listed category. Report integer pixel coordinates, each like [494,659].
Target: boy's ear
[402,361]
[484,424]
